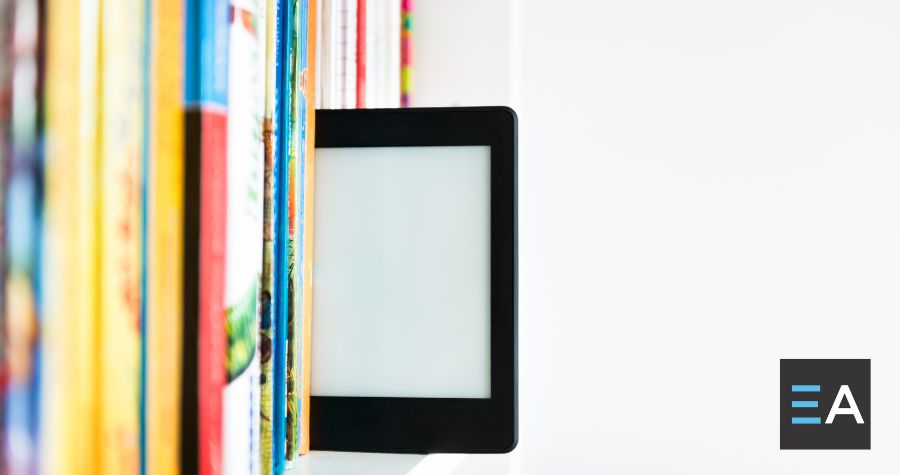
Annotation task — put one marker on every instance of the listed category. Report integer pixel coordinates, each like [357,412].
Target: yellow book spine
[309,196]
[70,433]
[164,237]
[121,57]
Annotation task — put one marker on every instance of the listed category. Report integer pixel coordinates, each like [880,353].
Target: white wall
[462,53]
[705,187]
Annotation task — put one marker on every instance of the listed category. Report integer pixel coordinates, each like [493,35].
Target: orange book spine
[308,197]
[165,193]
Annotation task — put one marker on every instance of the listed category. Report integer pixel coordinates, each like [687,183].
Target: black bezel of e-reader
[429,425]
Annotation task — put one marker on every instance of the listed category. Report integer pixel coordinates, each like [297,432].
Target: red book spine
[211,344]
[360,54]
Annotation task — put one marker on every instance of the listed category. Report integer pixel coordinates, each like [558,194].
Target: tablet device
[414,283]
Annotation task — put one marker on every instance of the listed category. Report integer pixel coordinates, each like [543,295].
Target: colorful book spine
[243,266]
[361,36]
[292,379]
[307,169]
[6,66]
[406,46]
[24,202]
[267,288]
[121,149]
[165,203]
[70,427]
[205,221]
[282,145]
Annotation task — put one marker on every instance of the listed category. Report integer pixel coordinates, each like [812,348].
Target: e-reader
[414,281]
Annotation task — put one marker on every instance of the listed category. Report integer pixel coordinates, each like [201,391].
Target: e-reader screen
[401,284]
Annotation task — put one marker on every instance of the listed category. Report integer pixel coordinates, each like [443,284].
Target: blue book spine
[281,119]
[145,173]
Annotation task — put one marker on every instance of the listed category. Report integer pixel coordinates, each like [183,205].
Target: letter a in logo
[836,408]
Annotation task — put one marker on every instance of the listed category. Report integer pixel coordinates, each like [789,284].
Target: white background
[705,187]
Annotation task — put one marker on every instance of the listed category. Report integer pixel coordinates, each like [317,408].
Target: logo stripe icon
[804,403]
[806,420]
[805,388]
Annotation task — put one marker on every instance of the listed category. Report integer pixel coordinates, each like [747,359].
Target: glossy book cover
[267,277]
[205,223]
[243,262]
[279,346]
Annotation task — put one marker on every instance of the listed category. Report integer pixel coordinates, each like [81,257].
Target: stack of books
[156,197]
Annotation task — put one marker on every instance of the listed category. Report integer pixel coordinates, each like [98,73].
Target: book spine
[205,221]
[67,373]
[87,278]
[246,98]
[406,31]
[317,26]
[145,172]
[267,288]
[6,65]
[122,43]
[23,213]
[294,297]
[211,335]
[308,89]
[374,53]
[164,237]
[347,53]
[283,93]
[361,54]
[391,67]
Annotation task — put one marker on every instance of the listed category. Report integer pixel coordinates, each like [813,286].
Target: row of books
[365,54]
[156,197]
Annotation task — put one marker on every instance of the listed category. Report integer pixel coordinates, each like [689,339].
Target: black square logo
[825,404]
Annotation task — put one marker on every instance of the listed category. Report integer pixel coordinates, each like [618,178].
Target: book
[267,278]
[121,144]
[292,140]
[361,37]
[344,34]
[165,204]
[307,173]
[336,27]
[320,62]
[70,435]
[281,298]
[6,66]
[23,213]
[205,185]
[406,29]
[243,264]
[382,52]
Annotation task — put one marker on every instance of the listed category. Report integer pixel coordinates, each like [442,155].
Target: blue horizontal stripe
[804,403]
[805,388]
[806,420]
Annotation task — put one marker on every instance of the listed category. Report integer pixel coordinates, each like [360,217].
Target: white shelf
[351,463]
